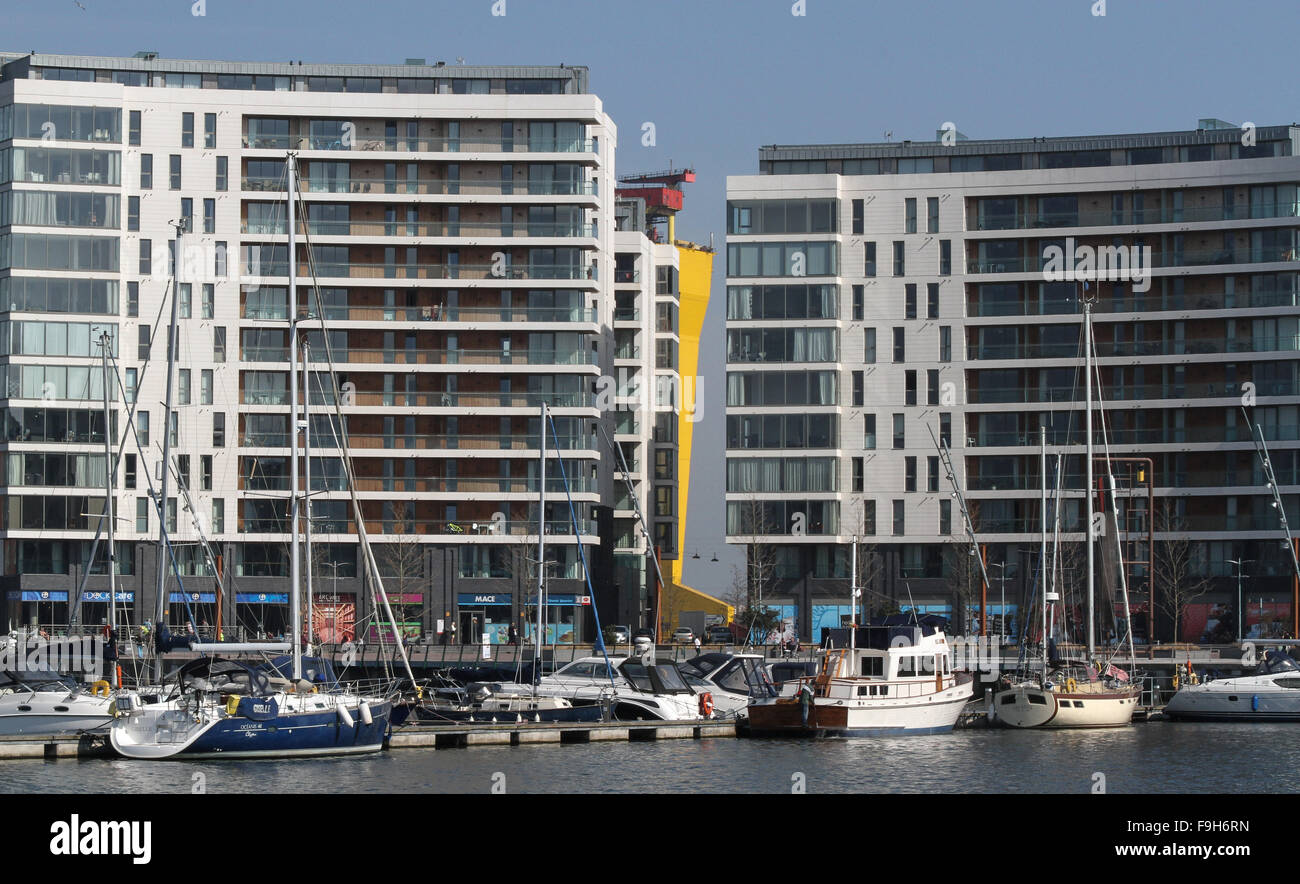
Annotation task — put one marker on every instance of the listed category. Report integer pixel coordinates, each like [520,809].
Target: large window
[782,216]
[780,474]
[782,388]
[41,208]
[783,259]
[61,165]
[39,294]
[782,431]
[782,301]
[63,122]
[48,251]
[782,345]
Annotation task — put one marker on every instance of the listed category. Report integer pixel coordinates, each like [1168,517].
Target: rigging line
[342,435]
[577,533]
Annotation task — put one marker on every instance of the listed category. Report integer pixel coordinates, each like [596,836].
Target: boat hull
[48,713]
[288,735]
[1219,701]
[1024,706]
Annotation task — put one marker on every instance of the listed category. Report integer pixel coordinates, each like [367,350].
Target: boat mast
[853,599]
[161,600]
[1042,553]
[306,482]
[295,614]
[1087,460]
[541,546]
[110,513]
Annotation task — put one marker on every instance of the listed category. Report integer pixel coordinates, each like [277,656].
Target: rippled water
[1144,758]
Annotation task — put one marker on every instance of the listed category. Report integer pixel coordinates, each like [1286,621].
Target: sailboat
[1074,696]
[292,706]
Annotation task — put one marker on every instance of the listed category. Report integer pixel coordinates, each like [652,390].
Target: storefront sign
[262,598]
[483,598]
[103,596]
[30,595]
[204,598]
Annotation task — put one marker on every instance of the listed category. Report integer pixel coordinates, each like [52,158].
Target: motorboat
[900,682]
[220,708]
[733,680]
[45,703]
[628,687]
[1271,693]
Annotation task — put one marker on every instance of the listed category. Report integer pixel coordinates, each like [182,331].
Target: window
[869,517]
[899,436]
[857,388]
[142,346]
[899,526]
[141,514]
[209,297]
[858,302]
[869,255]
[945,343]
[909,309]
[898,258]
[209,130]
[187,129]
[187,215]
[142,428]
[183,387]
[146,257]
[909,475]
[218,515]
[945,429]
[932,214]
[932,474]
[146,171]
[133,128]
[219,344]
[932,386]
[945,257]
[209,216]
[909,387]
[175,171]
[900,350]
[219,261]
[205,387]
[858,216]
[174,428]
[223,173]
[171,515]
[205,472]
[184,294]
[869,432]
[869,346]
[857,475]
[932,300]
[910,213]
[219,430]
[129,471]
[183,470]
[129,385]
[133,213]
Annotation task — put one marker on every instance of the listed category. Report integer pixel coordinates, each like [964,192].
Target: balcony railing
[1156,436]
[423,229]
[1128,393]
[1138,348]
[463,442]
[1171,258]
[1106,218]
[331,270]
[434,313]
[428,186]
[419,145]
[442,527]
[581,399]
[428,357]
[1139,302]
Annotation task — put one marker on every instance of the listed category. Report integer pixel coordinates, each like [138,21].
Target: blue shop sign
[483,598]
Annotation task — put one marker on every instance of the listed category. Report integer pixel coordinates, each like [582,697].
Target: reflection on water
[1155,757]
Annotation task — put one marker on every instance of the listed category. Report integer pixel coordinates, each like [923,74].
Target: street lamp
[1240,563]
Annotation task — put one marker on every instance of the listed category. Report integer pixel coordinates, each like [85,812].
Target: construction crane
[662,192]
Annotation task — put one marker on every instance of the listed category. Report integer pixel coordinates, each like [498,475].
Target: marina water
[1156,757]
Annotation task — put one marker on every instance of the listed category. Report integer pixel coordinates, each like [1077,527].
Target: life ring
[100,688]
[706,704]
[1070,685]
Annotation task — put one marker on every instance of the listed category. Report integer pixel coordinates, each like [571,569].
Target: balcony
[1138,302]
[1160,260]
[422,229]
[426,186]
[1156,436]
[1133,392]
[438,527]
[419,145]
[358,356]
[1166,215]
[256,270]
[433,313]
[1199,346]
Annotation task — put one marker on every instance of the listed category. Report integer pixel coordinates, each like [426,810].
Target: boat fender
[232,704]
[100,688]
[1254,703]
[706,704]
[1175,680]
[1070,685]
[345,716]
[364,709]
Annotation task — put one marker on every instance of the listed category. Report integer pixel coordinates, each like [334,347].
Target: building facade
[456,245]
[882,297]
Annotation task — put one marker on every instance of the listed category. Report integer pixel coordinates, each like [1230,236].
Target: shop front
[484,612]
[94,608]
[563,618]
[334,617]
[39,608]
[262,615]
[408,611]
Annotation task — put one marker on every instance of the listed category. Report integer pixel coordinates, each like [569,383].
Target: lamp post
[1240,563]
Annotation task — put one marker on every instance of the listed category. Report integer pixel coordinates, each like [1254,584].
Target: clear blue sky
[721,77]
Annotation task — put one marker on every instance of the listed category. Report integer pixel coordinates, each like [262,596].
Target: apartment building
[882,293]
[457,223]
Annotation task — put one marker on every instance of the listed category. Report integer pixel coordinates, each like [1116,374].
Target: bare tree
[759,576]
[401,564]
[961,566]
[1180,576]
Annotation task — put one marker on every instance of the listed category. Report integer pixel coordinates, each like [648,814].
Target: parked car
[684,635]
[620,634]
[719,635]
[643,632]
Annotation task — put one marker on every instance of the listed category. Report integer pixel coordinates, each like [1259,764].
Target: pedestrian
[697,644]
[513,635]
[451,632]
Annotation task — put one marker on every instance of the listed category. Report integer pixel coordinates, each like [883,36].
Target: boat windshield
[1275,662]
[668,680]
[637,676]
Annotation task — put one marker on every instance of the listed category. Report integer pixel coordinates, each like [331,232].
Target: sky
[720,78]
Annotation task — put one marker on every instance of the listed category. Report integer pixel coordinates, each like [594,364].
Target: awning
[193,597]
[32,595]
[262,598]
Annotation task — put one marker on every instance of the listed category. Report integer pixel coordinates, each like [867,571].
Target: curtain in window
[825,388]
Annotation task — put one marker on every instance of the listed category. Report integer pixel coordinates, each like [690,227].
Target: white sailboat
[1078,696]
